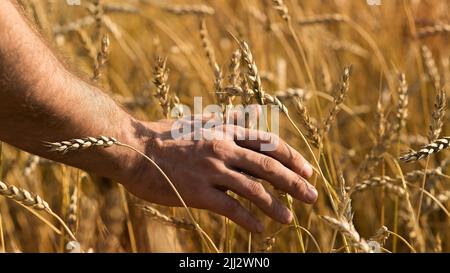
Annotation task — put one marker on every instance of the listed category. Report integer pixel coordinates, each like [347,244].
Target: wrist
[141,136]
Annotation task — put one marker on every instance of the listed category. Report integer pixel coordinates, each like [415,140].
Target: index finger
[281,151]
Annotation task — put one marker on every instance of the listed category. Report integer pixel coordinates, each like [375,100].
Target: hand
[203,170]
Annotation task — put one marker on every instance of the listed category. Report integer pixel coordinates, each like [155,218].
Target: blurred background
[380,39]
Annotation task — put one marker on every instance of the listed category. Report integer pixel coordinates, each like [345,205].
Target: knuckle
[299,186]
[268,164]
[255,190]
[218,147]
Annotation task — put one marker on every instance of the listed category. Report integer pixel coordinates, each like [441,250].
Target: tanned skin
[41,100]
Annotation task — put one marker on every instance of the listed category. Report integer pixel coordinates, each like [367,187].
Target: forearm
[40,100]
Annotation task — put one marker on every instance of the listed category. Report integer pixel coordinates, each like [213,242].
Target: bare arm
[40,100]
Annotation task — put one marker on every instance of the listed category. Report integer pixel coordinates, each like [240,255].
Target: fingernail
[312,194]
[307,170]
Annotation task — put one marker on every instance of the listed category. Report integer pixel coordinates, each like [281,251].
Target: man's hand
[40,100]
[203,170]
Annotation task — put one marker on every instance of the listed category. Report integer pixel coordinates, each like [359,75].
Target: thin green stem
[330,191]
[66,228]
[296,223]
[403,240]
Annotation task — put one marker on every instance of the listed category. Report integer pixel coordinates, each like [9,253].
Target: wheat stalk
[268,244]
[234,67]
[268,76]
[353,48]
[105,142]
[98,13]
[120,8]
[256,87]
[72,213]
[431,67]
[312,132]
[433,30]
[102,57]
[206,44]
[253,76]
[385,181]
[211,56]
[438,115]
[160,76]
[427,150]
[381,235]
[173,221]
[291,93]
[386,131]
[24,197]
[81,144]
[198,10]
[431,205]
[30,200]
[86,42]
[91,19]
[282,9]
[417,174]
[402,104]
[349,231]
[323,19]
[233,77]
[339,97]
[73,26]
[31,165]
[268,99]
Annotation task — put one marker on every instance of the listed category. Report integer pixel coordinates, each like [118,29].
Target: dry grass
[284,53]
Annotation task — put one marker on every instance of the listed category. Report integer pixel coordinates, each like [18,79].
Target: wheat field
[364,85]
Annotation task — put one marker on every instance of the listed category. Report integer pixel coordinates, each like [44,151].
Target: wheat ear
[349,231]
[438,115]
[198,10]
[30,200]
[402,104]
[312,132]
[323,19]
[339,97]
[160,76]
[102,57]
[427,150]
[72,213]
[120,8]
[173,221]
[385,181]
[282,9]
[433,30]
[431,67]
[105,142]
[253,75]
